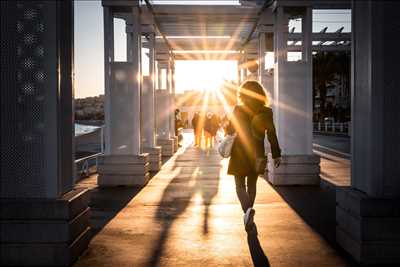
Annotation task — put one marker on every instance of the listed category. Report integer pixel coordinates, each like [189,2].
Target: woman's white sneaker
[248,217]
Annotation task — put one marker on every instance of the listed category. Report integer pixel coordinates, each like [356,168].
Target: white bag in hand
[225,147]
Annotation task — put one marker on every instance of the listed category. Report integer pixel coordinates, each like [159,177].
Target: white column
[261,56]
[148,110]
[239,72]
[293,107]
[307,58]
[149,97]
[124,163]
[163,103]
[367,213]
[163,115]
[267,78]
[172,98]
[108,58]
[280,35]
[127,82]
[244,64]
[159,76]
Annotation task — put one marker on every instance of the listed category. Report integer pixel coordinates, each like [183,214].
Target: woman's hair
[252,94]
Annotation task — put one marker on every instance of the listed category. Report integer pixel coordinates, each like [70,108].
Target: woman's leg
[252,188]
[244,199]
[208,138]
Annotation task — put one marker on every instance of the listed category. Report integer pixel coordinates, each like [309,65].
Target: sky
[89,44]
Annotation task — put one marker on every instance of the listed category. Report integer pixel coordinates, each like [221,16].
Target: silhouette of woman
[250,121]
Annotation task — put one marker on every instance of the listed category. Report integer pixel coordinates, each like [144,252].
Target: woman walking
[250,121]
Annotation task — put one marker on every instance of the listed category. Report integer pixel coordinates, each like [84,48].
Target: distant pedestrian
[178,121]
[250,120]
[215,124]
[208,130]
[197,129]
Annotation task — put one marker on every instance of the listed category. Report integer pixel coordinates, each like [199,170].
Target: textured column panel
[22,99]
[36,98]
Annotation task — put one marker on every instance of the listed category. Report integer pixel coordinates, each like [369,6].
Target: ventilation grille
[22,99]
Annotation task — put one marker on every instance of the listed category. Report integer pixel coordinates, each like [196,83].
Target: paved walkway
[335,170]
[188,215]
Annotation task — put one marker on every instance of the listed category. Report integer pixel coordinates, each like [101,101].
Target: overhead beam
[266,4]
[157,25]
[320,36]
[321,48]
[316,4]
[231,44]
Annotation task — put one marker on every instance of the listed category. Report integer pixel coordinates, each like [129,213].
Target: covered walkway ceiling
[219,31]
[188,20]
[200,27]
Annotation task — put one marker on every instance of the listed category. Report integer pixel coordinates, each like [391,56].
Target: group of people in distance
[207,125]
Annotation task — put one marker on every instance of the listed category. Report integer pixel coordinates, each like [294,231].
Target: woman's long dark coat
[250,127]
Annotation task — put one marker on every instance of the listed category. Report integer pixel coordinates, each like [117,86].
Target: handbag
[261,165]
[225,146]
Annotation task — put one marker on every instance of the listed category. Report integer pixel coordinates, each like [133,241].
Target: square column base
[167,146]
[294,170]
[155,157]
[129,170]
[367,228]
[44,232]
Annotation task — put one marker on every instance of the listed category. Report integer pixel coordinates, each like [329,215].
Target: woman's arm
[230,128]
[264,122]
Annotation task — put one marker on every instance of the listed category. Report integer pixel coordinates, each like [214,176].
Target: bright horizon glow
[196,2]
[206,75]
[195,37]
[205,51]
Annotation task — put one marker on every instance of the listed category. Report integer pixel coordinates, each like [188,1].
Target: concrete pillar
[171,106]
[239,72]
[368,212]
[123,164]
[163,112]
[173,134]
[40,209]
[148,110]
[293,108]
[159,76]
[244,64]
[261,56]
[265,45]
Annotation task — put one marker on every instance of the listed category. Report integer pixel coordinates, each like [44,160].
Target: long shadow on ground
[106,202]
[317,207]
[176,199]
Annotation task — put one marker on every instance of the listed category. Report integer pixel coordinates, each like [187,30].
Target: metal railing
[332,127]
[86,166]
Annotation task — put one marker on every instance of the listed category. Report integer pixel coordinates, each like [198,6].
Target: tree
[324,69]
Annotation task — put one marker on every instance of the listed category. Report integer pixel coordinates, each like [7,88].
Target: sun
[203,75]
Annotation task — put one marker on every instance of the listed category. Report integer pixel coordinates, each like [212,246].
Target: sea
[81,129]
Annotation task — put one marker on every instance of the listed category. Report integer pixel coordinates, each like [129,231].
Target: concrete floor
[342,144]
[188,215]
